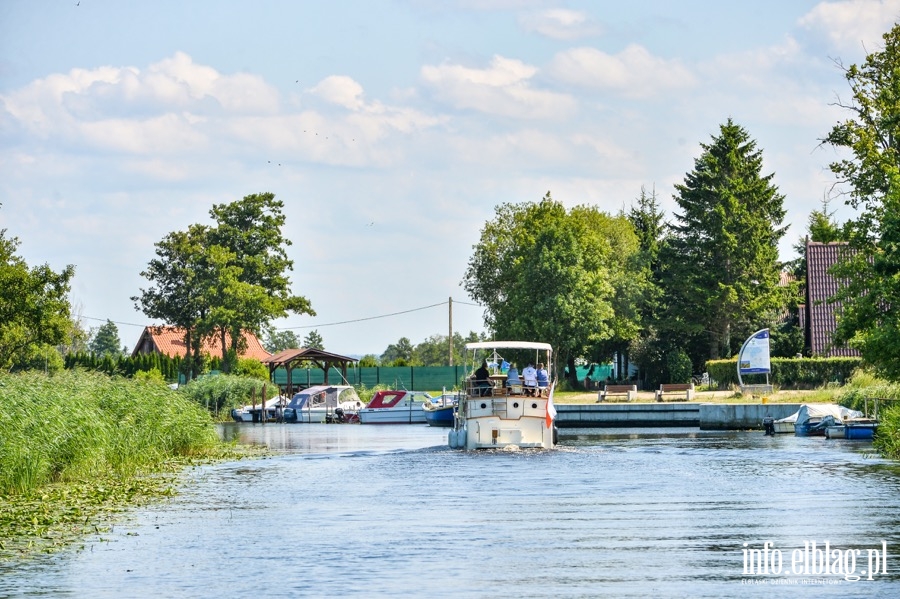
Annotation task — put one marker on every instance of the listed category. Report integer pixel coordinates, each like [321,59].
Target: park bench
[686,388]
[629,391]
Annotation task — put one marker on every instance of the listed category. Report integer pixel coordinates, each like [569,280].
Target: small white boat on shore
[395,407]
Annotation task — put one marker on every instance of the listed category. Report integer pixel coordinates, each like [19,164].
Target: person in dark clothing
[482,380]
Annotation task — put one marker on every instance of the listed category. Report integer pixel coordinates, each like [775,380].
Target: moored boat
[492,415]
[441,411]
[323,403]
[271,411]
[814,419]
[860,429]
[395,407]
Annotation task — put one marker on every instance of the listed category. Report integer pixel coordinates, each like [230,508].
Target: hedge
[788,373]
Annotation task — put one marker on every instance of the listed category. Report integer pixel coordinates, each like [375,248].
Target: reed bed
[78,447]
[77,425]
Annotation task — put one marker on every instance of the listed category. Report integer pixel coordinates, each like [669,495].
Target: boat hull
[836,432]
[440,417]
[860,432]
[497,422]
[414,415]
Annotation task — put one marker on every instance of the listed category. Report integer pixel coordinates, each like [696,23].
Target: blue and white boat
[441,411]
[814,419]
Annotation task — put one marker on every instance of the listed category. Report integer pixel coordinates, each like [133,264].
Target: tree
[251,284]
[647,350]
[106,340]
[398,354]
[313,340]
[544,274]
[180,277]
[870,315]
[222,281]
[34,308]
[277,341]
[720,268]
[368,361]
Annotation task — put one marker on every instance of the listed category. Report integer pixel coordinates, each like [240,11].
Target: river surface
[390,511]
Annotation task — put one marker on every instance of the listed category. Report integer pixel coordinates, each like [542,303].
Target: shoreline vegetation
[77,449]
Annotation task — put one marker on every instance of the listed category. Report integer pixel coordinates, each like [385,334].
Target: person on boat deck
[530,377]
[482,380]
[512,376]
[543,379]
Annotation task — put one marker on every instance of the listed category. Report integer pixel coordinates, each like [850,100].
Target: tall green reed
[76,425]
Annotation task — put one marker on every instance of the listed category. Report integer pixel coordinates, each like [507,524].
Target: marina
[624,512]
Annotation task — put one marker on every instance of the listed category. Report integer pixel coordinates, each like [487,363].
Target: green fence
[412,378]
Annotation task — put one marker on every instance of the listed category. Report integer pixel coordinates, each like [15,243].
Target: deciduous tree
[870,175]
[545,274]
[34,308]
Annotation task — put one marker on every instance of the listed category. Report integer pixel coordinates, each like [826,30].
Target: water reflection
[367,511]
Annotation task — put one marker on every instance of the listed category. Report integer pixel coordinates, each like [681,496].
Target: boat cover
[819,411]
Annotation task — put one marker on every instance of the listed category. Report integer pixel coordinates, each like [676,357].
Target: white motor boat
[395,407]
[495,415]
[324,403]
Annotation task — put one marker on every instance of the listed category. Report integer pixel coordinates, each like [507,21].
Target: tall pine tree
[720,262]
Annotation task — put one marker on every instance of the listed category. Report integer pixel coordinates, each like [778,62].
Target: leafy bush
[679,366]
[252,368]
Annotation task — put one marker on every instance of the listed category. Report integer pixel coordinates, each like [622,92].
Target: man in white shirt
[529,377]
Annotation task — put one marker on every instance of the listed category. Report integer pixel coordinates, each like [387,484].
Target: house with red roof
[170,341]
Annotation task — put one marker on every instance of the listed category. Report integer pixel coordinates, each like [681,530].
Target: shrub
[790,373]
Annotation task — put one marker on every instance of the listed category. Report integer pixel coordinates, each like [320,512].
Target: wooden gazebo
[291,358]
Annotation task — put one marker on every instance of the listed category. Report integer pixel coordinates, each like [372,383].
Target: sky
[391,130]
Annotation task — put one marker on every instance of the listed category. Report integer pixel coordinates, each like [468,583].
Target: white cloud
[504,88]
[340,90]
[126,109]
[561,24]
[853,24]
[633,72]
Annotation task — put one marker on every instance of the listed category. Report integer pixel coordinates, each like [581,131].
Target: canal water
[390,511]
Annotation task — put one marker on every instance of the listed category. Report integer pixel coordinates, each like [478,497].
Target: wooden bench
[686,388]
[629,391]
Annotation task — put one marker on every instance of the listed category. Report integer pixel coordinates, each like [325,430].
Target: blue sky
[391,130]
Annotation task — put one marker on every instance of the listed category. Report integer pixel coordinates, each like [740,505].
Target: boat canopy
[509,345]
[813,410]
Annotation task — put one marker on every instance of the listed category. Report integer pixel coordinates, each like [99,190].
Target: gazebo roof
[289,356]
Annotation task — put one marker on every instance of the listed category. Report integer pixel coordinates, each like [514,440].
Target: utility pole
[450,336]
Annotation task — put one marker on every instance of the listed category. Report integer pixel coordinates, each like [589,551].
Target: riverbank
[727,396]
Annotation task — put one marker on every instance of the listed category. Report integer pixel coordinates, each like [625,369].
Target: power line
[313,326]
[330,324]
